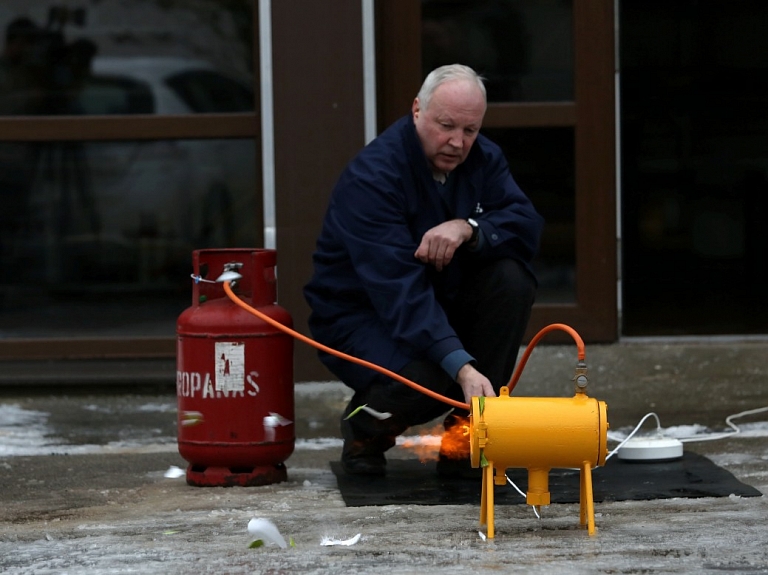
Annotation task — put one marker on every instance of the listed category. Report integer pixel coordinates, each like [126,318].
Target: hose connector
[230,274]
[580,378]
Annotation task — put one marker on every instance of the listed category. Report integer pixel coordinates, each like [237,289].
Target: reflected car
[132,211]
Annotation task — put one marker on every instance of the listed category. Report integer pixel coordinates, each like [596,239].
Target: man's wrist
[463,371]
[454,361]
[475,228]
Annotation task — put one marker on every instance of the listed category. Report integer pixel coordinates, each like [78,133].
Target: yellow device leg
[586,500]
[484,499]
[489,471]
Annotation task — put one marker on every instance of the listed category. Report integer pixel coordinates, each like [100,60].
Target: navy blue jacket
[370,297]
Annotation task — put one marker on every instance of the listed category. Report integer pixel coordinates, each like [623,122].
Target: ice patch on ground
[145,408]
[25,432]
[318,443]
[88,449]
[21,429]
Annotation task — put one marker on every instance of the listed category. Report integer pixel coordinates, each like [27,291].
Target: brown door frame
[117,128]
[594,315]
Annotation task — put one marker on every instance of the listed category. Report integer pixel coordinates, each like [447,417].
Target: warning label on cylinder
[230,366]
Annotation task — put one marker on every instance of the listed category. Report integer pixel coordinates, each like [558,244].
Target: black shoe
[364,464]
[362,455]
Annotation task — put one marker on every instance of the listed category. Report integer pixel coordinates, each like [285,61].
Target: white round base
[651,449]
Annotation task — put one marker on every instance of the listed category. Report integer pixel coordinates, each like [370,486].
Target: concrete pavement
[82,469]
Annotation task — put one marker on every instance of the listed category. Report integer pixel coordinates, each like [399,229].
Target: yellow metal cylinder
[538,432]
[538,487]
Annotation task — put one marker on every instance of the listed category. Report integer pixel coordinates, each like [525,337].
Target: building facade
[132,133]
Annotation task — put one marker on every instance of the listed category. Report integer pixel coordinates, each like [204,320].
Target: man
[423,266]
[21,69]
[21,94]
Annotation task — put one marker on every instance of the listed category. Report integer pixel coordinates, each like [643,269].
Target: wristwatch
[475,231]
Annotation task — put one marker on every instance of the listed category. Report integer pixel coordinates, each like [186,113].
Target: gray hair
[444,74]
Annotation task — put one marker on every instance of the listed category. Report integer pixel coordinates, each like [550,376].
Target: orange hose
[397,377]
[325,348]
[577,338]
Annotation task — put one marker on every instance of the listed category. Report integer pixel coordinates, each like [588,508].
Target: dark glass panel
[206,91]
[541,162]
[694,156]
[143,56]
[524,48]
[97,238]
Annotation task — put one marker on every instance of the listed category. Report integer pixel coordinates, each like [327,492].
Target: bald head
[448,114]
[448,73]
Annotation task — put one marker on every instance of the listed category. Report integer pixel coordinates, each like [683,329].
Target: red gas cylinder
[234,373]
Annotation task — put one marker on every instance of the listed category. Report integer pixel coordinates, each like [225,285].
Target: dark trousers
[490,316]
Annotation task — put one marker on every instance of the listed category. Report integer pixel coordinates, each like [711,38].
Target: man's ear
[415,108]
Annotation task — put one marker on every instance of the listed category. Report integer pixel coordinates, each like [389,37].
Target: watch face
[475,230]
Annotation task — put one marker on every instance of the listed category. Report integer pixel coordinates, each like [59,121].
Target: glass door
[548,66]
[694,109]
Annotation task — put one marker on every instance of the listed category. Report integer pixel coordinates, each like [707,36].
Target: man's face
[449,126]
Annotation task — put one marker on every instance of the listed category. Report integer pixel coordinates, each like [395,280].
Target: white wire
[635,430]
[512,483]
[199,279]
[729,422]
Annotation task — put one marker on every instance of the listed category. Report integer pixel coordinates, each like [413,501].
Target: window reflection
[542,162]
[86,223]
[522,47]
[196,57]
[160,85]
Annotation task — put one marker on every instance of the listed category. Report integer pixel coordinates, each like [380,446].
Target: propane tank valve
[229,274]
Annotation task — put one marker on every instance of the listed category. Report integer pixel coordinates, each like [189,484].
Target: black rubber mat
[409,481]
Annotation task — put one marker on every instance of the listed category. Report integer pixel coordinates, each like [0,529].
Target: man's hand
[440,243]
[473,383]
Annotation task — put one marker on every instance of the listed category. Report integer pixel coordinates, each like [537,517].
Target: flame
[430,444]
[426,445]
[455,444]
